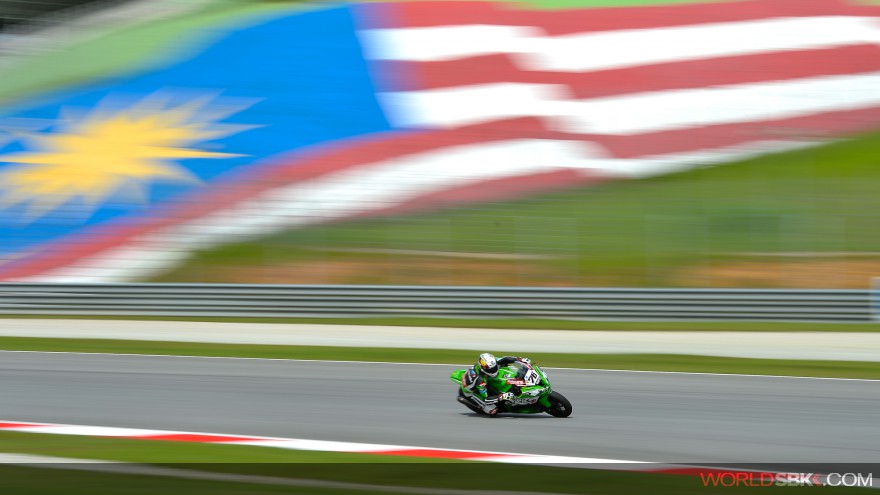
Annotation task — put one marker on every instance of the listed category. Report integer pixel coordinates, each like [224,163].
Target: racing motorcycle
[532,393]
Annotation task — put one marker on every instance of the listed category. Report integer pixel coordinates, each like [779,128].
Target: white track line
[600,370]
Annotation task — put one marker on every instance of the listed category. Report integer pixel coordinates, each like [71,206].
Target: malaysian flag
[381,108]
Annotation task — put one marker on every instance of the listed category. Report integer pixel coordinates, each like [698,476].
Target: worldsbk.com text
[745,478]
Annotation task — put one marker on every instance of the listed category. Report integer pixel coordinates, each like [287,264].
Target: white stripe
[617,49]
[95,431]
[651,166]
[317,445]
[443,42]
[666,110]
[557,459]
[622,48]
[467,105]
[634,113]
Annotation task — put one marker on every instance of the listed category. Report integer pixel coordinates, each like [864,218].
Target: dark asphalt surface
[670,418]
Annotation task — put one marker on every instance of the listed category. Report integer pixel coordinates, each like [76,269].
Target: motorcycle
[530,387]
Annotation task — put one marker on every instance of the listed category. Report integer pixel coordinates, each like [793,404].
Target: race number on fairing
[532,377]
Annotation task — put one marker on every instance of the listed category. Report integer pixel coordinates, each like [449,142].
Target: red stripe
[559,22]
[436,454]
[814,126]
[195,437]
[19,425]
[655,77]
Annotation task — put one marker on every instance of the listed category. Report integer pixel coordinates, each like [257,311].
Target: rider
[476,381]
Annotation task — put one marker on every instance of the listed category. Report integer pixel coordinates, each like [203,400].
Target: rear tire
[560,407]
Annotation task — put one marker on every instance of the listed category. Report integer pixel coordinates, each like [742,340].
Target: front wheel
[560,407]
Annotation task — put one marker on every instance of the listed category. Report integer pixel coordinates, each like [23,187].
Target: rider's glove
[506,396]
[526,360]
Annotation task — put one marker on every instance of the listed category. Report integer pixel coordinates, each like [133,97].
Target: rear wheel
[560,407]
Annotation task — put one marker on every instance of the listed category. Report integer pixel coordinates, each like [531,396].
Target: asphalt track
[669,418]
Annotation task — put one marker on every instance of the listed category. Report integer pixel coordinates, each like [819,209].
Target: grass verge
[509,324]
[645,362]
[144,45]
[29,480]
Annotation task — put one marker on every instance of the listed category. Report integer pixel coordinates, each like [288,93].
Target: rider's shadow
[530,417]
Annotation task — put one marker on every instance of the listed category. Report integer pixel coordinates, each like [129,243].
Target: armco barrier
[478,302]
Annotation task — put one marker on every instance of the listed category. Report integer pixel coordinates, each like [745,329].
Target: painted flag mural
[382,108]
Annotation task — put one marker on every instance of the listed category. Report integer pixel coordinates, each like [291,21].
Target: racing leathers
[475,385]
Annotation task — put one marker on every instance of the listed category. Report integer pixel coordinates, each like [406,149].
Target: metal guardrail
[438,301]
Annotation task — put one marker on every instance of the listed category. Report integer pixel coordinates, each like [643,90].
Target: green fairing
[541,389]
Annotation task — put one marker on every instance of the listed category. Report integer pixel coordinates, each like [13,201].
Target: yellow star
[107,152]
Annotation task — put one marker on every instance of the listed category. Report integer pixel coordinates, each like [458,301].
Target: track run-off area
[642,416]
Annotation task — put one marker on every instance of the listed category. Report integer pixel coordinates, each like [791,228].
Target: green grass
[21,480]
[278,463]
[652,232]
[647,362]
[34,481]
[139,46]
[507,323]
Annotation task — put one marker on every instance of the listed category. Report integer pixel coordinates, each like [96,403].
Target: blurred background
[555,175]
[544,143]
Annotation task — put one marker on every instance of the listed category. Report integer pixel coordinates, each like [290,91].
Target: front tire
[560,407]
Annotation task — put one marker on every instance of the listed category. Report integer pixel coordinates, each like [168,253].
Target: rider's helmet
[488,364]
